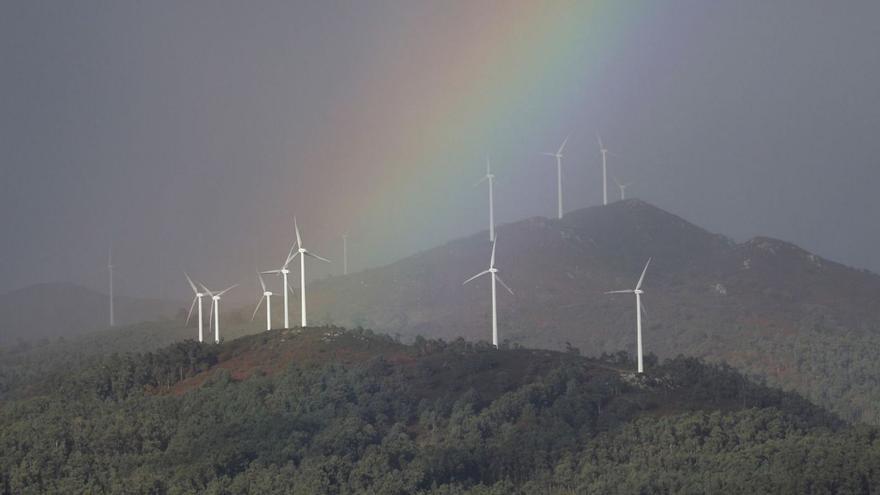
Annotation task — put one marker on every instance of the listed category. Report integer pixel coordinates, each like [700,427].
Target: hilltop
[765,306]
[325,410]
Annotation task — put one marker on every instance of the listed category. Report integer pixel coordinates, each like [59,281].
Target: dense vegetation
[330,411]
[764,306]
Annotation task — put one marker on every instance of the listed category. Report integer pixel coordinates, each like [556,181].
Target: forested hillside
[325,410]
[764,306]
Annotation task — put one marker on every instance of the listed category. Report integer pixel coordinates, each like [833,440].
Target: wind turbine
[604,170]
[110,271]
[215,308]
[285,286]
[267,295]
[198,297]
[494,272]
[639,308]
[622,188]
[302,253]
[558,156]
[491,178]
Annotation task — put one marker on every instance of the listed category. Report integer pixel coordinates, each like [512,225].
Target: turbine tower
[491,179]
[495,277]
[639,308]
[622,188]
[302,253]
[267,295]
[285,286]
[604,170]
[198,297]
[215,309]
[110,271]
[558,156]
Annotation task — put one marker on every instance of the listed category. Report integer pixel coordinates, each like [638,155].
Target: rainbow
[458,85]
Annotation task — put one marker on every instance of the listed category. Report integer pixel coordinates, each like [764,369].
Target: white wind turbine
[198,295]
[558,156]
[491,178]
[622,188]
[267,295]
[302,253]
[285,286]
[494,272]
[639,308]
[215,309]
[604,152]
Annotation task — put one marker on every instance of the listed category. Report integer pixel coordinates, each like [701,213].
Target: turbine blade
[642,278]
[475,276]
[262,282]
[488,167]
[191,306]
[642,304]
[549,154]
[627,291]
[271,271]
[599,138]
[211,316]
[290,256]
[564,141]
[224,291]
[313,255]
[504,285]
[484,179]
[207,291]
[291,289]
[492,259]
[191,283]
[617,181]
[258,307]
[298,238]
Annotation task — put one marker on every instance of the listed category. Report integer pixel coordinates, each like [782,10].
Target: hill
[765,306]
[325,410]
[65,310]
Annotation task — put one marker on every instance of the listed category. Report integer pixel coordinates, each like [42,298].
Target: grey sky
[187,132]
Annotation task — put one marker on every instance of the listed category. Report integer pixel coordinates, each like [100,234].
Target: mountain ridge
[74,310]
[706,295]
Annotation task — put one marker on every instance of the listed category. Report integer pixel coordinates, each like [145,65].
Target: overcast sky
[188,134]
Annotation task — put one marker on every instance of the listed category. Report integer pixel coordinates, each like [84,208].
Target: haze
[189,134]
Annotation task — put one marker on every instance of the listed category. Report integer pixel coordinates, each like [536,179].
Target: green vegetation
[333,411]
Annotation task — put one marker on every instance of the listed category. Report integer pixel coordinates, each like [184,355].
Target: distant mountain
[765,306]
[62,309]
[325,410]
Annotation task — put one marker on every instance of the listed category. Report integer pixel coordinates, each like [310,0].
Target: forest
[328,410]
